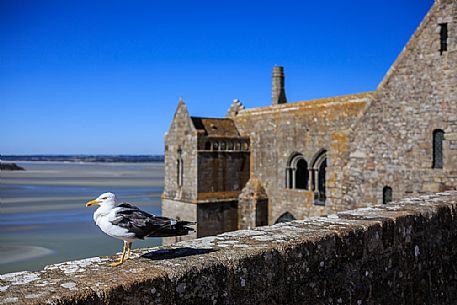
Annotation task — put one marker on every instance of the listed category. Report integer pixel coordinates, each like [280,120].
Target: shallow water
[43,219]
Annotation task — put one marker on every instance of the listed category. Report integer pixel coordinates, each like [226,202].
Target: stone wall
[253,209]
[308,128]
[402,253]
[217,217]
[181,144]
[207,163]
[222,171]
[393,144]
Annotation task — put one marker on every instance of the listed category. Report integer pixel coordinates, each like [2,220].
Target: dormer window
[443,38]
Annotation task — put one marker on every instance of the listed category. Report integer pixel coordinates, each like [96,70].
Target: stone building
[206,166]
[296,159]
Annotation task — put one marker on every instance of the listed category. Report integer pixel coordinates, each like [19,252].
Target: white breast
[103,219]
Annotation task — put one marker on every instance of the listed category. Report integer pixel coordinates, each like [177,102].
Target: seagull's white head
[105,199]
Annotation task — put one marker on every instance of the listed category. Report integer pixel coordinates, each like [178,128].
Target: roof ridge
[318,101]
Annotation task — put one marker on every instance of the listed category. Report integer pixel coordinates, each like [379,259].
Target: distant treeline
[85,158]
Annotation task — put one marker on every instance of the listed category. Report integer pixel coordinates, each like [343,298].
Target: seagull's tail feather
[178,229]
[186,223]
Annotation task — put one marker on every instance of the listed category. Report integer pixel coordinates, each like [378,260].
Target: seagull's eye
[104,198]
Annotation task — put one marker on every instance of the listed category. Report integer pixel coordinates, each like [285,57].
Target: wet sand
[43,219]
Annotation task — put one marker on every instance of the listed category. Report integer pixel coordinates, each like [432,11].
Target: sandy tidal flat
[43,219]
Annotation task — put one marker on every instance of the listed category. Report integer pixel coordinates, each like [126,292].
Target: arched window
[286,217]
[301,175]
[297,174]
[438,137]
[386,195]
[319,173]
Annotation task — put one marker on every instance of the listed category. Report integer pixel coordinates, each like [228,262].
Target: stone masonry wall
[392,144]
[181,136]
[402,253]
[277,132]
[222,171]
[217,217]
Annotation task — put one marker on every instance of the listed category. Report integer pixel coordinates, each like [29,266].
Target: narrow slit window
[438,137]
[179,168]
[443,38]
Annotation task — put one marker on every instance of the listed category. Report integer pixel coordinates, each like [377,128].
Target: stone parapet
[401,253]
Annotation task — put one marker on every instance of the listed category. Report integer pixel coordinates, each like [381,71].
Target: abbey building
[290,160]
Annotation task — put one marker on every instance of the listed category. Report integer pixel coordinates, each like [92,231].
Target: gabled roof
[411,44]
[215,127]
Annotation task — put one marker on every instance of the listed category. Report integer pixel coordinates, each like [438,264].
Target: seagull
[128,223]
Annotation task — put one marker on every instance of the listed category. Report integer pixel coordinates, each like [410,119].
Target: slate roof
[216,127]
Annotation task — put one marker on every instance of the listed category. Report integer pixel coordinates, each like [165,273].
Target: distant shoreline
[10,166]
[86,158]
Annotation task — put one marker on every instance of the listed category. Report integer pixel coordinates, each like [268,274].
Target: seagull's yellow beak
[92,202]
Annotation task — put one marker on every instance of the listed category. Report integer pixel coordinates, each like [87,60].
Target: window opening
[179,168]
[319,174]
[443,38]
[438,137]
[301,175]
[386,195]
[297,173]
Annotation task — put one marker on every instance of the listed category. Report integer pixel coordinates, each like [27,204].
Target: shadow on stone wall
[175,253]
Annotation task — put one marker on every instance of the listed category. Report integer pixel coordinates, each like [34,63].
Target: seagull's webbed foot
[120,262]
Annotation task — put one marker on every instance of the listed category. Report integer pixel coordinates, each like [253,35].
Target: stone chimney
[278,94]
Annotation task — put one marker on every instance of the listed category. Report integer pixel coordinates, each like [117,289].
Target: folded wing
[143,224]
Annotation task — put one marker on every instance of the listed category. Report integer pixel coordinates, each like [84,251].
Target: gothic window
[386,195]
[297,174]
[286,217]
[319,173]
[223,145]
[443,38]
[230,145]
[215,145]
[438,137]
[301,175]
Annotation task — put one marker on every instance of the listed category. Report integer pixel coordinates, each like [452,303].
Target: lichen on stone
[20,278]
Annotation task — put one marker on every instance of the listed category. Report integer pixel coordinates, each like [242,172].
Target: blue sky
[104,77]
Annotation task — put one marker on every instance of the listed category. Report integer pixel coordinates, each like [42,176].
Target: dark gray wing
[143,224]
